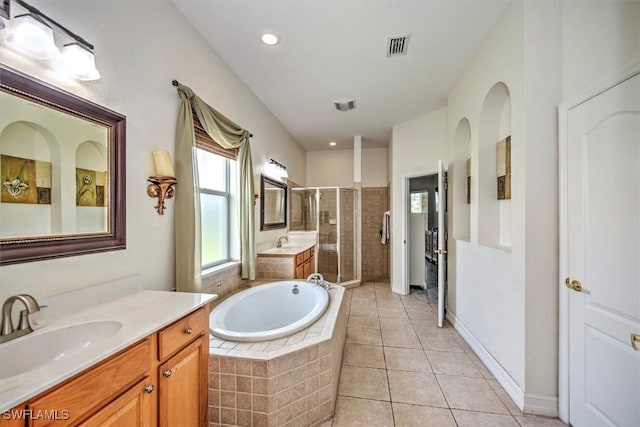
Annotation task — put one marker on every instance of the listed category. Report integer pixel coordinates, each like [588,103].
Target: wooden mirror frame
[25,249]
[276,225]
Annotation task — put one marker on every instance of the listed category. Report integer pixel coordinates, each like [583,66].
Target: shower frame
[356,260]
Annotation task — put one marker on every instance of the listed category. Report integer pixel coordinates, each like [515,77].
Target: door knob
[149,388]
[573,284]
[188,330]
[167,373]
[635,339]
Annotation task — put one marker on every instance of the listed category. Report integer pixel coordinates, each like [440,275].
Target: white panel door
[603,217]
[442,231]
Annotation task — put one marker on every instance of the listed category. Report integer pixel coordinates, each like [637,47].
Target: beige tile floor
[400,369]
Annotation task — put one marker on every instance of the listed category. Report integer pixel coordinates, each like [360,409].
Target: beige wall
[330,168]
[138,58]
[374,167]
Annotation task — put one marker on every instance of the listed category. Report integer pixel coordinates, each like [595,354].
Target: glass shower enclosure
[331,211]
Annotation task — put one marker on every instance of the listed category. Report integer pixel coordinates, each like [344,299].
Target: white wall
[330,168]
[545,52]
[138,58]
[416,147]
[486,290]
[599,38]
[374,167]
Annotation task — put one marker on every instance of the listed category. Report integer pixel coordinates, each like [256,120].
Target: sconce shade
[80,61]
[32,36]
[162,163]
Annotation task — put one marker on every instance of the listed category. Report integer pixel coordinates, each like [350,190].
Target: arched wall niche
[494,216]
[462,196]
[39,214]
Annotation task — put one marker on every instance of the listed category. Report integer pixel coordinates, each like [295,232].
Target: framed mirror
[273,204]
[62,173]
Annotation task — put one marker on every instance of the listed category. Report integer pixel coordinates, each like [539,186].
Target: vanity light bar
[70,33]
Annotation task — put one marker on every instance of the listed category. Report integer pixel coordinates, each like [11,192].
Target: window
[216,175]
[420,202]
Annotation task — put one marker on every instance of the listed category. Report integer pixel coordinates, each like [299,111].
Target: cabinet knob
[167,373]
[188,330]
[149,388]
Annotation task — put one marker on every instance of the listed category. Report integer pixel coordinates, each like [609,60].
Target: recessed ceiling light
[270,39]
[332,143]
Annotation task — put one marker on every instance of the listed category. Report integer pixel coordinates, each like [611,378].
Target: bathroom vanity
[288,262]
[152,370]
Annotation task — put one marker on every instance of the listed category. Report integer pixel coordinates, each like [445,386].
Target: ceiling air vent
[397,45]
[345,104]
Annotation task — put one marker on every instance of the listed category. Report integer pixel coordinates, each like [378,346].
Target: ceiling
[332,50]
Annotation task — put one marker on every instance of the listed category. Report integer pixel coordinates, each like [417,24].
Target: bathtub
[268,312]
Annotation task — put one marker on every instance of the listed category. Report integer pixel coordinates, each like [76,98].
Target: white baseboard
[539,404]
[527,402]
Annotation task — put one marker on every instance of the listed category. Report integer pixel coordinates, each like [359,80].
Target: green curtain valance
[187,223]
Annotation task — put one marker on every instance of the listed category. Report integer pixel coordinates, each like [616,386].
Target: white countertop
[140,312]
[288,249]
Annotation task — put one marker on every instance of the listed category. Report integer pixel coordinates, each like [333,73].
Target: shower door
[347,244]
[328,233]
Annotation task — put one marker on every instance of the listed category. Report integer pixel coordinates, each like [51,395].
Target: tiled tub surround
[291,381]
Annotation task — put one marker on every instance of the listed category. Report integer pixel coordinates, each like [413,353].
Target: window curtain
[187,221]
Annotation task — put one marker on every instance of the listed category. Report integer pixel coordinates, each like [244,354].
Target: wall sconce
[276,170]
[162,183]
[32,34]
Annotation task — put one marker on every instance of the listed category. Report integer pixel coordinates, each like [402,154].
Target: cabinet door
[307,268]
[132,409]
[183,390]
[300,271]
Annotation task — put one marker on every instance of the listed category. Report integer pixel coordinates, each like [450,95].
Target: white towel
[386,227]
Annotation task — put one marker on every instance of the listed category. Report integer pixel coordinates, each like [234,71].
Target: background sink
[32,351]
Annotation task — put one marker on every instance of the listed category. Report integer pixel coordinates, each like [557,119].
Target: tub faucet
[318,279]
[279,243]
[7,331]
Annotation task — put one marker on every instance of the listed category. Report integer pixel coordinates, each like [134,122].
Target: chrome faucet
[279,243]
[7,331]
[318,279]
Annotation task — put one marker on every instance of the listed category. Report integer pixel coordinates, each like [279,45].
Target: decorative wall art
[468,181]
[503,168]
[90,188]
[25,180]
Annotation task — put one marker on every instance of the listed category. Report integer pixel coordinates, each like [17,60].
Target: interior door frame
[405,214]
[563,162]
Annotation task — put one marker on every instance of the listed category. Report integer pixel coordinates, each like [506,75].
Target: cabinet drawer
[299,258]
[307,254]
[185,330]
[90,391]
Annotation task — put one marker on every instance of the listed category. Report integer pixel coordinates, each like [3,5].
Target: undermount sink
[41,347]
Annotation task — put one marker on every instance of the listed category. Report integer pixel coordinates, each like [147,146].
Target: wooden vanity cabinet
[305,264]
[160,380]
[183,353]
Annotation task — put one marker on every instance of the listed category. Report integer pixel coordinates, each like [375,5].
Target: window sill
[219,268]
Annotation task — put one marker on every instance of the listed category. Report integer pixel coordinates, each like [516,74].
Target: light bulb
[270,39]
[80,61]
[33,36]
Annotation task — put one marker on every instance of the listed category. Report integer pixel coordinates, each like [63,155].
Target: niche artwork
[468,181]
[25,180]
[503,168]
[90,188]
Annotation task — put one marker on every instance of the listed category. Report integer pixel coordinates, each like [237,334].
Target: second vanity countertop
[291,249]
[140,312]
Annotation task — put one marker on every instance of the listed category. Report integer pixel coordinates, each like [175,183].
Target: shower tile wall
[375,256]
[347,243]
